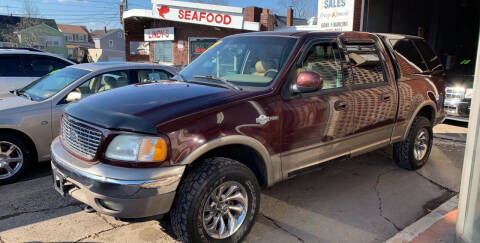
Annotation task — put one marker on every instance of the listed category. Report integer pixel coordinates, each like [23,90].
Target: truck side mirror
[307,82]
[73,96]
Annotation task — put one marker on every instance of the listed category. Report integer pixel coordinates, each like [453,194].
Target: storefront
[176,33]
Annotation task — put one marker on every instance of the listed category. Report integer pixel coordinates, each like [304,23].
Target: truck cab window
[429,55]
[408,53]
[366,64]
[324,59]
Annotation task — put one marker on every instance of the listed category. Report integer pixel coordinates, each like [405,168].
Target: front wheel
[15,157]
[413,153]
[217,201]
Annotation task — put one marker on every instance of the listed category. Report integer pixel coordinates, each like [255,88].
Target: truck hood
[142,107]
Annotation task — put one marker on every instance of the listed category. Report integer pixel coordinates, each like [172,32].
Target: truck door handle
[386,97]
[340,105]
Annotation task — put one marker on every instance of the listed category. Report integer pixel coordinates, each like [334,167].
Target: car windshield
[248,62]
[51,83]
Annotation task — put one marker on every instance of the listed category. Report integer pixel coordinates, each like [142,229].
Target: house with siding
[78,41]
[37,33]
[109,45]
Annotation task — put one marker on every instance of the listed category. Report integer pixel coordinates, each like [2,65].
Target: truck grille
[80,139]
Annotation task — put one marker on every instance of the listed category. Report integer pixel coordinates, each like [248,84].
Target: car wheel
[14,158]
[413,153]
[217,201]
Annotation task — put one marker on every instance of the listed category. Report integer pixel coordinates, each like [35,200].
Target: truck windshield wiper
[224,81]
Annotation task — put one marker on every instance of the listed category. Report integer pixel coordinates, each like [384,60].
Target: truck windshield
[248,62]
[51,83]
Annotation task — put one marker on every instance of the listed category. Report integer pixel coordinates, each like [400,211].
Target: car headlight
[469,94]
[137,149]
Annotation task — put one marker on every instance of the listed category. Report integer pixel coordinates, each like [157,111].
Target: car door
[315,124]
[374,92]
[12,74]
[99,83]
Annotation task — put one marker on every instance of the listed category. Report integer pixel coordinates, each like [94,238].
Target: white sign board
[336,15]
[195,13]
[159,34]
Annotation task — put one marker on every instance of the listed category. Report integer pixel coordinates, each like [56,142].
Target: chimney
[266,21]
[289,17]
[105,28]
[252,14]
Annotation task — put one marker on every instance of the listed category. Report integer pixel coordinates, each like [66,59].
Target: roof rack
[21,48]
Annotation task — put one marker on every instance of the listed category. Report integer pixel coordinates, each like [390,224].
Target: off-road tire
[196,186]
[403,154]
[27,153]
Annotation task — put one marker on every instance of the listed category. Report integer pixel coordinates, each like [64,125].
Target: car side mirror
[73,96]
[307,82]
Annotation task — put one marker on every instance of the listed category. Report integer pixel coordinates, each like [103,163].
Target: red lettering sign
[201,16]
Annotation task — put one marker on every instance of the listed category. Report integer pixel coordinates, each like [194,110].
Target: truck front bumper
[112,190]
[457,109]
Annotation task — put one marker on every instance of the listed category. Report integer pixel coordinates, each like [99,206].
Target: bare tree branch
[32,37]
[301,8]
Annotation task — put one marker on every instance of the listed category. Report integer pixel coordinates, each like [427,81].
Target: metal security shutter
[163,51]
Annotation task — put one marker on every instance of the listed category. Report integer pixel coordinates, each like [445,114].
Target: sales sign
[336,15]
[159,34]
[206,14]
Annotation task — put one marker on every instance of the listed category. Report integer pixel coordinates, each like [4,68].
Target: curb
[418,227]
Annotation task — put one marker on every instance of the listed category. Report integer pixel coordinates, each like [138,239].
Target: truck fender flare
[270,169]
[415,114]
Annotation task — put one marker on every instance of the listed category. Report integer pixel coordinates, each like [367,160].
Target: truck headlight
[137,149]
[469,94]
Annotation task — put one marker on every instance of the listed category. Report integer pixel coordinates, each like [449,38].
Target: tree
[301,8]
[29,19]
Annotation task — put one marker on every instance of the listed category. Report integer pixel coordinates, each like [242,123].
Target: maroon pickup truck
[253,110]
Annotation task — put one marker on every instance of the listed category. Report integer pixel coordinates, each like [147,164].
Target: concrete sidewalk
[437,226]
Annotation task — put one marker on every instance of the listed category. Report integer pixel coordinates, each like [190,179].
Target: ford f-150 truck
[253,110]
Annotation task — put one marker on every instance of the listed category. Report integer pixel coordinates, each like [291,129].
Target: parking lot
[365,199]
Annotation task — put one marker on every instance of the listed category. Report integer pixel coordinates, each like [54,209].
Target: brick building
[175,32]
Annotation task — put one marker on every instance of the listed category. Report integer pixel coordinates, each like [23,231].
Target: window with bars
[163,51]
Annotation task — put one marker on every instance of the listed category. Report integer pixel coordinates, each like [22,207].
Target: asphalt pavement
[364,199]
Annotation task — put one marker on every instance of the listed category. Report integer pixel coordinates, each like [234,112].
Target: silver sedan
[30,117]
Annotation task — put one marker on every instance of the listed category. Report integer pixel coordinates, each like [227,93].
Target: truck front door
[315,124]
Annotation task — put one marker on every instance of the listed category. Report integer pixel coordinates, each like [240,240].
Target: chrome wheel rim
[420,146]
[225,210]
[11,159]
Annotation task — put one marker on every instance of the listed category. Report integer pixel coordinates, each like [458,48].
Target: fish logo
[163,10]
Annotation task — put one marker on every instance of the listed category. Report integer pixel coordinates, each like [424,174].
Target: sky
[95,14]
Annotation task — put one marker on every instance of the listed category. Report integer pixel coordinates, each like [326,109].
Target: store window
[139,48]
[197,46]
[163,51]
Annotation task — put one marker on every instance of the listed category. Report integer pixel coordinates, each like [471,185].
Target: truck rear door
[374,91]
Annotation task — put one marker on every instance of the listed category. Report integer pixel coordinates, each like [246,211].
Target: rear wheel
[15,157]
[413,153]
[217,201]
